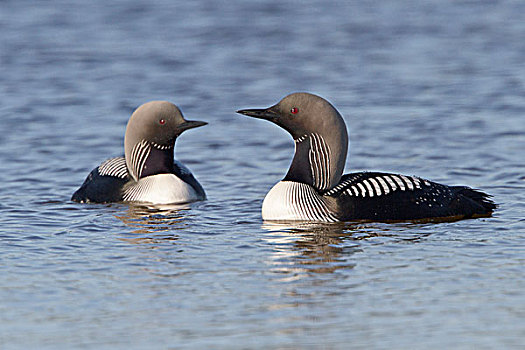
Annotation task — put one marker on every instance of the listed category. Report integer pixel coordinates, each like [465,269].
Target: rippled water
[434,89]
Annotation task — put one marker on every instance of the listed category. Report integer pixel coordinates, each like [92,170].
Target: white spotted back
[380,184]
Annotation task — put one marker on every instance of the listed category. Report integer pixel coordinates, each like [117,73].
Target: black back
[99,188]
[417,199]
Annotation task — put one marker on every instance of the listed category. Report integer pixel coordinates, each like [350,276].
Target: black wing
[384,196]
[104,184]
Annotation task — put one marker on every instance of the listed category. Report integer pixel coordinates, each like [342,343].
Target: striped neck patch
[319,157]
[137,158]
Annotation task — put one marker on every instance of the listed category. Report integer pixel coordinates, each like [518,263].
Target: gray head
[150,137]
[320,137]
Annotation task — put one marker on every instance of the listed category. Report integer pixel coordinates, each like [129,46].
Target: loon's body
[315,189]
[147,172]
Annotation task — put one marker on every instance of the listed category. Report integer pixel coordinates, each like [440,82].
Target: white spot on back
[363,190]
[383,184]
[408,182]
[399,182]
[377,188]
[370,191]
[390,181]
[360,186]
[417,183]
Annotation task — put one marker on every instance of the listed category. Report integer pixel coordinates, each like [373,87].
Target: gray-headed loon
[147,172]
[315,189]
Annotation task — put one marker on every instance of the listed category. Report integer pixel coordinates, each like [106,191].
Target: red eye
[294,110]
[162,121]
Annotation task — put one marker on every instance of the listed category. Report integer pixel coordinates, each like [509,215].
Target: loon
[147,172]
[315,189]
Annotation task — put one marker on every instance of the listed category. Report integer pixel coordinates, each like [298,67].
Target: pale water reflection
[304,247]
[147,218]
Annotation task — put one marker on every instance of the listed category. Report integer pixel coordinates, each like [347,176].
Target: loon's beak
[270,114]
[190,124]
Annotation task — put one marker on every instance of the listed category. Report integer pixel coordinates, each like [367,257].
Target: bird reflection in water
[154,223]
[306,247]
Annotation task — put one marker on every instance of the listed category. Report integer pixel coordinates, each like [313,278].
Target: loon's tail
[479,203]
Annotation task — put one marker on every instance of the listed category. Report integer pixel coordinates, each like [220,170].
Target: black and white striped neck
[315,163]
[149,158]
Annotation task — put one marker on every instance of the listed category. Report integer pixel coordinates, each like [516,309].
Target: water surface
[434,89]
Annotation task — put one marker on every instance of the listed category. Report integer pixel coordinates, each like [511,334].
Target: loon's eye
[294,110]
[162,121]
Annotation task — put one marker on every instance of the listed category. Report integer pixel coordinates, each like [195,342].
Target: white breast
[293,201]
[161,189]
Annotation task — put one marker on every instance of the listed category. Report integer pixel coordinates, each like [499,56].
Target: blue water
[434,89]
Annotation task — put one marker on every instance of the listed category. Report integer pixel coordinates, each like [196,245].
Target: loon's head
[320,161]
[150,135]
[301,113]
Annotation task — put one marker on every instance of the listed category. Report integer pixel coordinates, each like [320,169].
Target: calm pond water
[435,90]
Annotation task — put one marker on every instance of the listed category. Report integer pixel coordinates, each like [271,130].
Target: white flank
[294,201]
[161,189]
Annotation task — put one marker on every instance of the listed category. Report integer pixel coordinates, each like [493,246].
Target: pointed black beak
[270,114]
[190,124]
